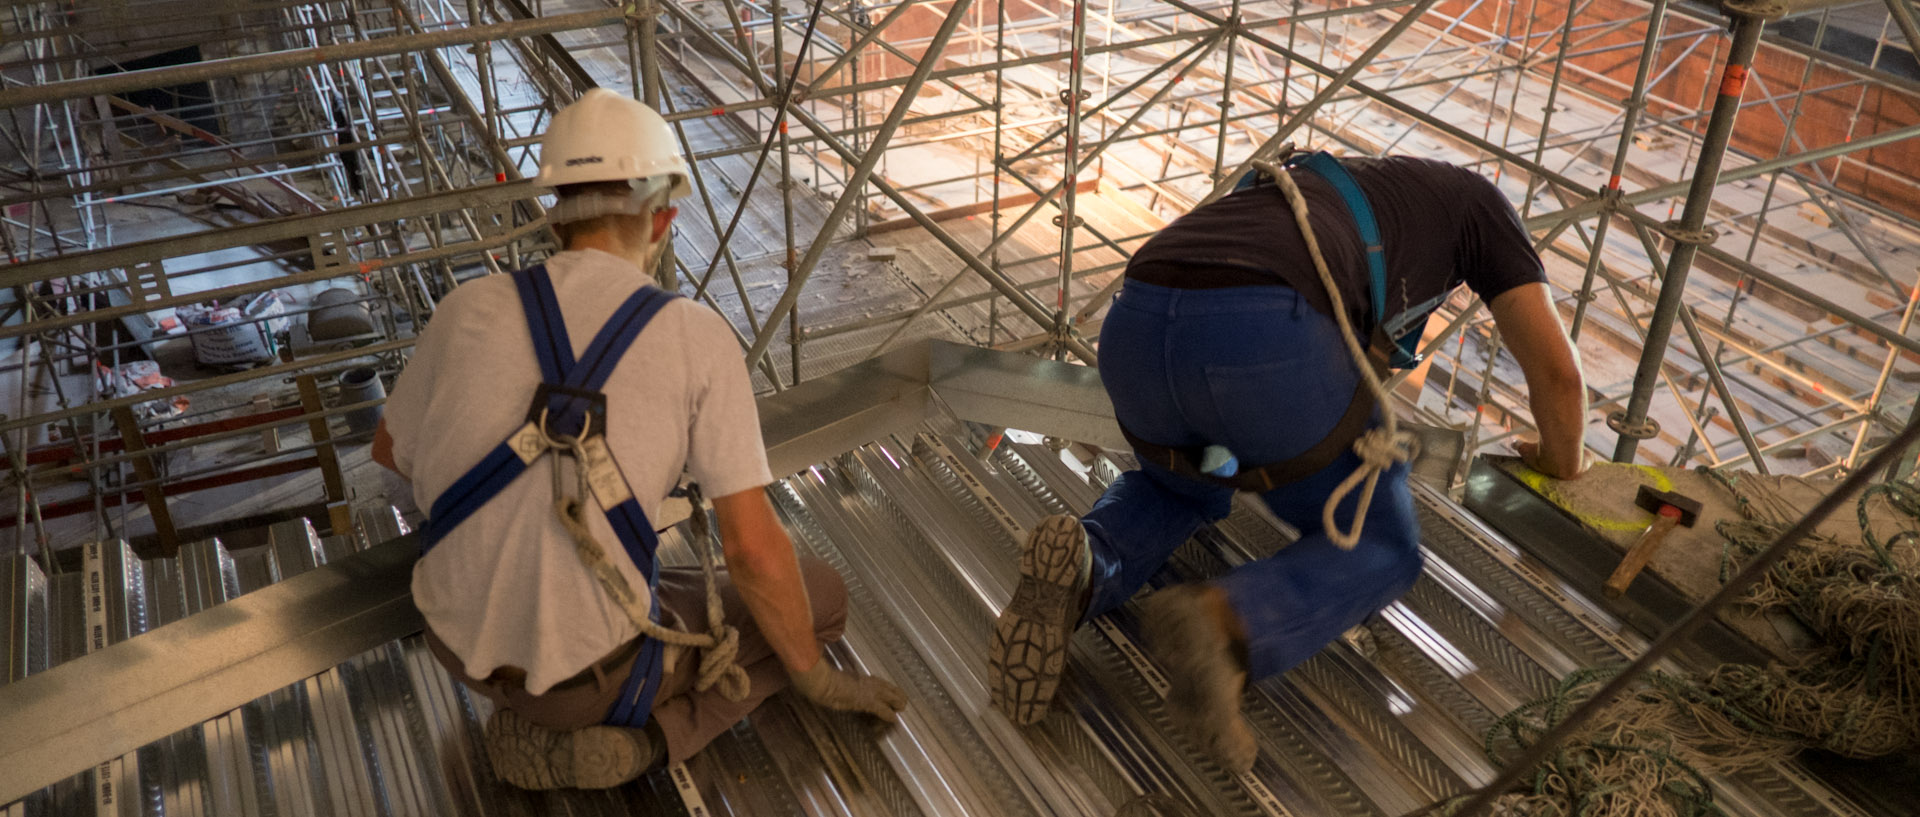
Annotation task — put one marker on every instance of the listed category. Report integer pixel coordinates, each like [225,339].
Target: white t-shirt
[506,588]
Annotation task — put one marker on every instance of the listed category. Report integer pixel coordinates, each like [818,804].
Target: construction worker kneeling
[544,418]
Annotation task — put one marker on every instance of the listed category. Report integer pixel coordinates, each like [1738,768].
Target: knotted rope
[720,644]
[1379,448]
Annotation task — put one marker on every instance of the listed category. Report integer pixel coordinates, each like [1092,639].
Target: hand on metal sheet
[850,692]
[1530,454]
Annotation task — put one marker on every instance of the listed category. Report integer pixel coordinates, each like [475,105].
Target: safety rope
[720,644]
[1379,448]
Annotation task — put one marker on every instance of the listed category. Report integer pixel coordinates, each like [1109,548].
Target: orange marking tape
[1735,81]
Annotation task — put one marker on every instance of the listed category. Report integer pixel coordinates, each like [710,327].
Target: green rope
[1653,751]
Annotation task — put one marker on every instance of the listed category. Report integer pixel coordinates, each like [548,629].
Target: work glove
[850,692]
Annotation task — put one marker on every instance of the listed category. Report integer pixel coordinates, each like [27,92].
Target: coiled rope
[1858,695]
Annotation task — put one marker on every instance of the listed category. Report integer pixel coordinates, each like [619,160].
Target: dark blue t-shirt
[1442,225]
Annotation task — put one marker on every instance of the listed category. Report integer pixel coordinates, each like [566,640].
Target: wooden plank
[311,404]
[146,472]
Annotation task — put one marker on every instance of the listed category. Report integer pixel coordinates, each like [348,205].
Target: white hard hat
[605,136]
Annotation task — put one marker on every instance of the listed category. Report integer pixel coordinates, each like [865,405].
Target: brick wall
[1841,110]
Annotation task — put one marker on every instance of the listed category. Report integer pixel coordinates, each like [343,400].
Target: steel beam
[126,255]
[120,83]
[64,720]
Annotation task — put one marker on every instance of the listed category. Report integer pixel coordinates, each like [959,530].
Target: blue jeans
[1260,371]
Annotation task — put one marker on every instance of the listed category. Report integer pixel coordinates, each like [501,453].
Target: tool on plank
[1670,510]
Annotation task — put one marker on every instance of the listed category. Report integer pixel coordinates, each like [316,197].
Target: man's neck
[611,244]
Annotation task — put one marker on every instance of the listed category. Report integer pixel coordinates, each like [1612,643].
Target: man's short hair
[567,230]
[613,188]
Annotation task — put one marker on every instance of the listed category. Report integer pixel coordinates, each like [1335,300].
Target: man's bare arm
[760,558]
[767,574]
[1558,393]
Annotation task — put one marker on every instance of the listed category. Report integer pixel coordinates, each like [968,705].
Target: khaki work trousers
[688,719]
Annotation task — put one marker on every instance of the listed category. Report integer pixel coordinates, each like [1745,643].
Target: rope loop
[720,645]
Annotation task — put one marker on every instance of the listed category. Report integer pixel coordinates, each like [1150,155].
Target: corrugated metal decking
[925,532]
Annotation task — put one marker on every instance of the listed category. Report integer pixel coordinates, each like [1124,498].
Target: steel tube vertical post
[1750,18]
[999,154]
[645,26]
[786,184]
[1716,380]
[1070,168]
[1903,17]
[1553,96]
[1880,383]
[1226,94]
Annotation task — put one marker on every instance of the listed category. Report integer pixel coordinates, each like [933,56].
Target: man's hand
[1529,452]
[848,692]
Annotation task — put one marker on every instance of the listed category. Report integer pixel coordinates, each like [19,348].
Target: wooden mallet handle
[1641,552]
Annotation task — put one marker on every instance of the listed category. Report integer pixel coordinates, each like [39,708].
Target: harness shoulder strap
[1402,353]
[503,464]
[610,344]
[551,346]
[1326,167]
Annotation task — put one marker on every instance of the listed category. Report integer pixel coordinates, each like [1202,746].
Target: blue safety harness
[1402,349]
[568,396]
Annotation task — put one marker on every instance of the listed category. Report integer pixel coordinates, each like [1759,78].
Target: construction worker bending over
[1229,370]
[544,418]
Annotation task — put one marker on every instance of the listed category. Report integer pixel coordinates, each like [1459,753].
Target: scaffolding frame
[398,135]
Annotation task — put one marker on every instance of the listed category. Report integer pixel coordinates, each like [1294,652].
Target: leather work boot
[1186,633]
[1029,649]
[532,756]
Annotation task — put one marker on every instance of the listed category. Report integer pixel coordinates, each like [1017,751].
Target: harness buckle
[562,407]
